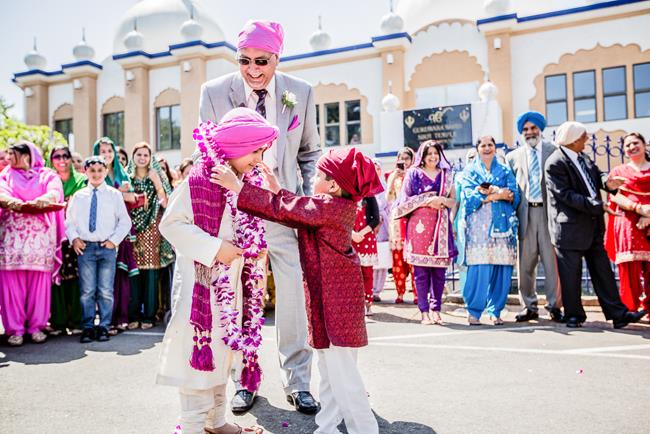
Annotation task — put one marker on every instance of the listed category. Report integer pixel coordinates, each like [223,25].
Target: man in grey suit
[288,103]
[527,162]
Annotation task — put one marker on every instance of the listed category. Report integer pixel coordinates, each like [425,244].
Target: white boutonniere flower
[288,100]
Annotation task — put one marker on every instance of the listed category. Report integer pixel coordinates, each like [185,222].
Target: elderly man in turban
[527,163]
[288,103]
[577,227]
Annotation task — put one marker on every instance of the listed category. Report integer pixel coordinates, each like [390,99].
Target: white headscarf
[568,133]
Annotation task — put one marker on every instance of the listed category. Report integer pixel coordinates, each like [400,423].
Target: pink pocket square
[295,123]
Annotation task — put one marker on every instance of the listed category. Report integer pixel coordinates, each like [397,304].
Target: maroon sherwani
[332,273]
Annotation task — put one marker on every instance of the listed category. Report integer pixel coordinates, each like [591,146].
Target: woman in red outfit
[627,241]
[397,227]
[364,243]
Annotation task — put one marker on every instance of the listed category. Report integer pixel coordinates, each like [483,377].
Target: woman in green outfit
[152,252]
[65,307]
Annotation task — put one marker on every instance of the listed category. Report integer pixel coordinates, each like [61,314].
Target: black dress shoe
[556,315]
[242,401]
[102,334]
[303,402]
[628,318]
[573,322]
[87,336]
[526,315]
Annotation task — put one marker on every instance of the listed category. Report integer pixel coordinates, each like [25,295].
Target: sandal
[437,319]
[473,321]
[254,429]
[497,321]
[133,325]
[15,340]
[146,325]
[39,337]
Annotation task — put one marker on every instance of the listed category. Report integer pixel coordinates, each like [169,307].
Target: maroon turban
[353,172]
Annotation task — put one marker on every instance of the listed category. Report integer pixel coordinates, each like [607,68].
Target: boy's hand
[109,245]
[78,246]
[225,177]
[271,180]
[228,253]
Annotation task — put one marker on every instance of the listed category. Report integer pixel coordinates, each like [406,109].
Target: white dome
[420,13]
[488,91]
[133,40]
[34,59]
[320,40]
[160,23]
[390,102]
[83,51]
[496,7]
[391,23]
[191,30]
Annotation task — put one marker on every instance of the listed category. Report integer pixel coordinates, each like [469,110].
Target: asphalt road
[537,377]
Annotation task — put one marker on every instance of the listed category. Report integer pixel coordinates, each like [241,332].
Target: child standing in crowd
[96,222]
[426,200]
[364,243]
[152,252]
[334,287]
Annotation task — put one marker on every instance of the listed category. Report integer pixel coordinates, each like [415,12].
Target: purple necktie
[260,107]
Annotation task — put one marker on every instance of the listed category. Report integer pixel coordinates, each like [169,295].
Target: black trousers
[569,264]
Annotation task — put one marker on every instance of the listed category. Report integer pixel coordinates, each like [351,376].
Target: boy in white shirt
[96,222]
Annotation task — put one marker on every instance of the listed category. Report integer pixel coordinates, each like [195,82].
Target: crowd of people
[106,236]
[49,285]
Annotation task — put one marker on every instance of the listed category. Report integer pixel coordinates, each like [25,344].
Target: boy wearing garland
[217,296]
[334,301]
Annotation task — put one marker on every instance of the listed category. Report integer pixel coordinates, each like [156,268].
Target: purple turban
[263,35]
[535,117]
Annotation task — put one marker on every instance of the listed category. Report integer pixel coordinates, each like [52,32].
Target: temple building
[445,69]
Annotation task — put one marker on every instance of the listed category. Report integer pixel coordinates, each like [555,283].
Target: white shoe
[39,337]
[15,340]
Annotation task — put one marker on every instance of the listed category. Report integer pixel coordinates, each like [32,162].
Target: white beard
[533,141]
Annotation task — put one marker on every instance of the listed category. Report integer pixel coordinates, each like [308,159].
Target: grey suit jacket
[518,161]
[298,149]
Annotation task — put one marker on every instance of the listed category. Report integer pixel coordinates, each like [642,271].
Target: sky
[57,26]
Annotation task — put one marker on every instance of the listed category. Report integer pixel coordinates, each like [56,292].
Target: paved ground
[538,377]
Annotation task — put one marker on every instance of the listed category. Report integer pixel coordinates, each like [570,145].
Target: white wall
[445,37]
[532,52]
[218,67]
[110,83]
[364,75]
[58,94]
[159,80]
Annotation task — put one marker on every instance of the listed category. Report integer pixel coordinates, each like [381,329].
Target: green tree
[13,131]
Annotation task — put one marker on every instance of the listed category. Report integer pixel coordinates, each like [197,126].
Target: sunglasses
[61,157]
[259,61]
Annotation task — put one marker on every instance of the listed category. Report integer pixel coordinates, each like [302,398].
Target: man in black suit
[577,227]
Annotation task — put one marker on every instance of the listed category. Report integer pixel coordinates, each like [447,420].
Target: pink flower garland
[248,235]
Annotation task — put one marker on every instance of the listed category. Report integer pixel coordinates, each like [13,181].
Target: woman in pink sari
[626,240]
[30,242]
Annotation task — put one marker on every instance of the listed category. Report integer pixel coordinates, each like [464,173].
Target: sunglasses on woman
[61,157]
[259,61]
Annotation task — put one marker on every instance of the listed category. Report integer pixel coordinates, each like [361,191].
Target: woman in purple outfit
[426,200]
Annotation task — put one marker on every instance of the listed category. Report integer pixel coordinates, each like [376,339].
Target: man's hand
[271,180]
[225,177]
[228,252]
[614,182]
[109,245]
[78,246]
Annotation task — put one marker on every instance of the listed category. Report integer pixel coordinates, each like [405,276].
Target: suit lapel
[576,173]
[237,92]
[523,159]
[282,116]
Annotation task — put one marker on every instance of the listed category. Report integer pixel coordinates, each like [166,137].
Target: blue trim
[325,52]
[81,63]
[391,36]
[497,18]
[141,53]
[558,13]
[37,71]
[386,154]
[174,47]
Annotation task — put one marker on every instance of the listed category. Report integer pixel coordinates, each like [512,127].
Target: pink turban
[240,132]
[263,35]
[353,172]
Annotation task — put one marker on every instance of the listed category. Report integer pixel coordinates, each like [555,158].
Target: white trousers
[343,396]
[202,408]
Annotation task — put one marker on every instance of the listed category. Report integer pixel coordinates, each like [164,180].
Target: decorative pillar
[392,62]
[84,113]
[193,75]
[36,103]
[136,106]
[500,64]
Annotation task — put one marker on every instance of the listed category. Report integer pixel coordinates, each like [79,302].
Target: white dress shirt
[113,221]
[574,158]
[270,156]
[537,149]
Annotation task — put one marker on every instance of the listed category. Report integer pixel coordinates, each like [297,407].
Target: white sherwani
[193,244]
